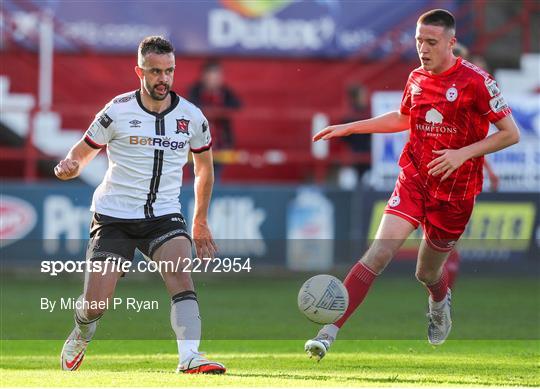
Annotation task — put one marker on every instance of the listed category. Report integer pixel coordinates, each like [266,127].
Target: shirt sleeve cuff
[202,149]
[92,144]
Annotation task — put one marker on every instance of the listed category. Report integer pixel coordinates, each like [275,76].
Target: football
[323,299]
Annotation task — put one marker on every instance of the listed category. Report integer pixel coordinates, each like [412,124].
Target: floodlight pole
[319,150]
[46,51]
[46,48]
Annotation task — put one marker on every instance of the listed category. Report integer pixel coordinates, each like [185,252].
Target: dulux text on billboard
[231,27]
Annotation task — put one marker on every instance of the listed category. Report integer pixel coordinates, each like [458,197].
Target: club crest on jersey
[182,126]
[451,94]
[394,201]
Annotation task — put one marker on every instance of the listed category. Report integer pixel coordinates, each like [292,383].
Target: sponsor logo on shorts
[166,142]
[394,201]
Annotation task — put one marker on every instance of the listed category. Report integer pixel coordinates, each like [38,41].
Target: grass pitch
[280,363]
[254,328]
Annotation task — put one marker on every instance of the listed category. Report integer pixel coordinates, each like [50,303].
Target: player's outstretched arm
[204,181]
[449,160]
[78,157]
[388,122]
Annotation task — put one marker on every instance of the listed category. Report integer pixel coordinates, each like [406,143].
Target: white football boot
[198,364]
[73,350]
[440,321]
[319,346]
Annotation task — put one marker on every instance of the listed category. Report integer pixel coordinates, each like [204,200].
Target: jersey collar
[446,72]
[174,102]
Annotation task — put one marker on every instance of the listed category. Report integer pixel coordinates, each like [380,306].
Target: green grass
[264,308]
[254,328]
[280,363]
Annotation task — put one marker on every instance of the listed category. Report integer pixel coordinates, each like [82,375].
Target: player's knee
[427,277]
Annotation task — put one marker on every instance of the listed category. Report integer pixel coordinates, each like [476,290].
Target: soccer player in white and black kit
[148,133]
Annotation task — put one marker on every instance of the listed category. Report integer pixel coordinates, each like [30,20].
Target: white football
[323,299]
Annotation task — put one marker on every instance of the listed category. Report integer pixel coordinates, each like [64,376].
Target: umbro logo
[415,89]
[135,123]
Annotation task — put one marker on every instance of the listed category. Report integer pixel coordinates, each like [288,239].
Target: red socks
[438,290]
[452,267]
[357,282]
[360,278]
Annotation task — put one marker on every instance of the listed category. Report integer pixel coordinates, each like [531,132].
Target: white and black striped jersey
[147,152]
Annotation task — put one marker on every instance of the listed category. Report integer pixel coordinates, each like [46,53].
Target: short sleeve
[101,130]
[405,107]
[201,139]
[490,100]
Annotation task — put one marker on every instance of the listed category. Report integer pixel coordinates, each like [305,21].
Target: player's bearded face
[433,44]
[158,91]
[158,75]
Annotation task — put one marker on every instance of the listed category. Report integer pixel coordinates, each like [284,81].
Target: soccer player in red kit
[453,262]
[447,104]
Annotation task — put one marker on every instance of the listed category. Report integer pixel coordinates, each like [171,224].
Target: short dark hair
[438,17]
[156,45]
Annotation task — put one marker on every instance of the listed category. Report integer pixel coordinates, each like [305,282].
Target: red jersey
[449,111]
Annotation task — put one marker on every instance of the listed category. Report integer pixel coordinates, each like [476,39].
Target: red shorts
[443,221]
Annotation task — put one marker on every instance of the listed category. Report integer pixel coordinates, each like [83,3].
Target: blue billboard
[51,222]
[297,28]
